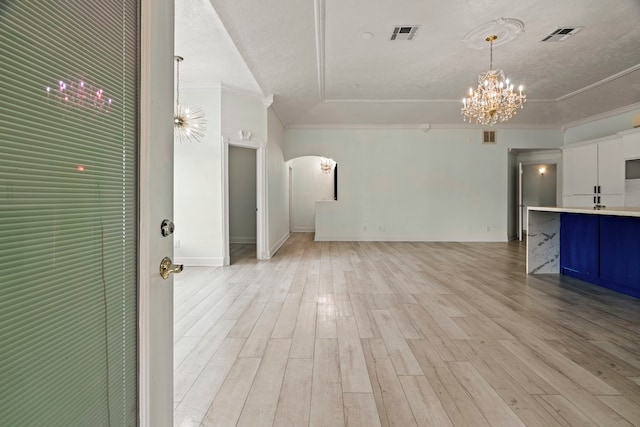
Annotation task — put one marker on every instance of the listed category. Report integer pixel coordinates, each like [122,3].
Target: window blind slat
[68,212]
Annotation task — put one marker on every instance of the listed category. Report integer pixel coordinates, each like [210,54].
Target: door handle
[167,267]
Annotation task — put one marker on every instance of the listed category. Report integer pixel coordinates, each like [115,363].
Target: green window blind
[68,212]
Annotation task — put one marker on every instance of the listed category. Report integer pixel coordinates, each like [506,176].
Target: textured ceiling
[312,57]
[210,57]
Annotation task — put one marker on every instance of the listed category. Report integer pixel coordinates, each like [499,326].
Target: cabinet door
[620,250]
[631,145]
[611,167]
[579,244]
[580,166]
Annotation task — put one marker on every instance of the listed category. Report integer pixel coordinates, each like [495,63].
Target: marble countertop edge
[615,211]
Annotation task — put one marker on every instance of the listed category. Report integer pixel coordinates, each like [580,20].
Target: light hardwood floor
[400,334]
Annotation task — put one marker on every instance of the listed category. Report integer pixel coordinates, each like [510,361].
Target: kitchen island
[598,246]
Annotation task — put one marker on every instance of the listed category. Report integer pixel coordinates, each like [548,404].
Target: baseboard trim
[278,245]
[242,240]
[387,238]
[303,229]
[201,261]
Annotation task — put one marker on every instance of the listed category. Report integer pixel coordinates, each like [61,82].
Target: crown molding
[601,116]
[599,83]
[410,100]
[506,126]
[241,91]
[278,115]
[267,101]
[417,126]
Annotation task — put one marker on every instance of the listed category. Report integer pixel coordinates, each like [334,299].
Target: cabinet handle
[599,190]
[595,187]
[594,200]
[598,199]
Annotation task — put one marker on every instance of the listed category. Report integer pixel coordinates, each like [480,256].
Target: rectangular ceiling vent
[489,137]
[561,34]
[405,32]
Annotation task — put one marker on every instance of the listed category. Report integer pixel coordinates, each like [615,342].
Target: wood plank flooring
[400,334]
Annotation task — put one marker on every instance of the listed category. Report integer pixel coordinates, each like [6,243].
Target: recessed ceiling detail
[507,29]
[561,34]
[405,32]
[379,82]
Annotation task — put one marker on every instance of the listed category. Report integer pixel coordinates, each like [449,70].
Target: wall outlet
[364,228]
[381,228]
[488,228]
[176,244]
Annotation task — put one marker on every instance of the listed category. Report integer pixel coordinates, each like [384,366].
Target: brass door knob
[167,267]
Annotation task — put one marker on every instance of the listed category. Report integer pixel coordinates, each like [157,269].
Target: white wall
[309,186]
[243,111]
[277,184]
[198,186]
[242,195]
[409,185]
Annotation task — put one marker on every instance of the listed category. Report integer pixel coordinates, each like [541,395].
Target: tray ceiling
[332,63]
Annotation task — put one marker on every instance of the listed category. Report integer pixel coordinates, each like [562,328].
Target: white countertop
[606,211]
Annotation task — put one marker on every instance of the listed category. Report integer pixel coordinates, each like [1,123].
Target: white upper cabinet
[631,143]
[580,169]
[594,169]
[611,167]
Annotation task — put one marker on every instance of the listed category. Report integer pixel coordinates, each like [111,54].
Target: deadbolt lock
[167,227]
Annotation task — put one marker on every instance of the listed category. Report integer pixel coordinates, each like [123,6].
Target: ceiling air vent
[561,34]
[489,137]
[405,32]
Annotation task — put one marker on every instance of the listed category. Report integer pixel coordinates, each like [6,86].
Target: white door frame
[290,199]
[520,205]
[155,202]
[558,165]
[262,251]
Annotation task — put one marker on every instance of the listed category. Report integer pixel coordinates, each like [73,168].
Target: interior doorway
[312,180]
[534,181]
[242,202]
[260,208]
[539,183]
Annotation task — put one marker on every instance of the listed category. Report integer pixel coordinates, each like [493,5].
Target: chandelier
[188,124]
[494,100]
[326,165]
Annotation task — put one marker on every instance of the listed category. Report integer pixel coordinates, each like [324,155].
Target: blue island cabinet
[579,245]
[601,249]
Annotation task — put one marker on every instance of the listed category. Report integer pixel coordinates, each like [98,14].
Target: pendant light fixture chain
[188,124]
[178,59]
